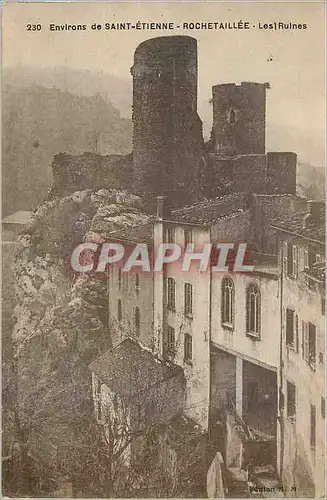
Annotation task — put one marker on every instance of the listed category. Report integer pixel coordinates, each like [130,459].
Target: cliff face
[61,326]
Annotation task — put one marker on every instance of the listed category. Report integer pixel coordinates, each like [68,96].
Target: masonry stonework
[167,137]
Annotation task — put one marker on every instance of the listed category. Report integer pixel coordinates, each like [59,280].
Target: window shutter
[284,255]
[286,258]
[295,260]
[290,327]
[305,352]
[297,333]
[312,339]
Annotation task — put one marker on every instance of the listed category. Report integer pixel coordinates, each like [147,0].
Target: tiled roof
[137,234]
[313,228]
[208,211]
[21,217]
[132,370]
[316,271]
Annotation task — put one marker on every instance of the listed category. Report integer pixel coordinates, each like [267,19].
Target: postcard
[163,249]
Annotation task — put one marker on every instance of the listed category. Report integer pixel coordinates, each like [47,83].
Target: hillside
[39,123]
[78,82]
[310,181]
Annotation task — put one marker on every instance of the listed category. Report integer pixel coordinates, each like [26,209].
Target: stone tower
[239,118]
[167,135]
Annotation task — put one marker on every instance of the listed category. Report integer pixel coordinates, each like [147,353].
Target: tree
[138,406]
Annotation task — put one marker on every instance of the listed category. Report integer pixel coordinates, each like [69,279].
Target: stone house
[302,383]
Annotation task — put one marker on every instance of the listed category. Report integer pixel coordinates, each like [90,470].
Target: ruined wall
[281,172]
[233,229]
[269,173]
[267,208]
[167,137]
[249,173]
[89,171]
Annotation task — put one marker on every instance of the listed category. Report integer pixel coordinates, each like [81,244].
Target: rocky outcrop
[61,322]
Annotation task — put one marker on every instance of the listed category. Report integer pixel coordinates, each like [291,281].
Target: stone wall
[281,172]
[89,171]
[267,208]
[239,118]
[167,138]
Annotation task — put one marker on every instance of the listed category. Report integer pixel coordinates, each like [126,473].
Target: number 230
[33,27]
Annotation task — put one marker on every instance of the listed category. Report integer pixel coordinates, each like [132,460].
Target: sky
[292,61]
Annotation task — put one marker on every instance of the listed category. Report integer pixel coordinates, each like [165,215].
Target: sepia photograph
[163,249]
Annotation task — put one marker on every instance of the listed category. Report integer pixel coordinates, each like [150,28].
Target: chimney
[314,209]
[313,213]
[163,209]
[160,207]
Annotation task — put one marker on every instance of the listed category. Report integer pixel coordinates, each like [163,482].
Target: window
[188,350]
[171,294]
[137,320]
[323,407]
[188,236]
[291,400]
[188,306]
[310,258]
[312,426]
[170,235]
[170,341]
[309,336]
[292,327]
[137,282]
[227,302]
[253,310]
[292,260]
[232,116]
[120,311]
[119,278]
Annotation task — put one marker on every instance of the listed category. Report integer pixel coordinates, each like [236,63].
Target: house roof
[316,271]
[207,212]
[22,217]
[136,234]
[313,229]
[132,370]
